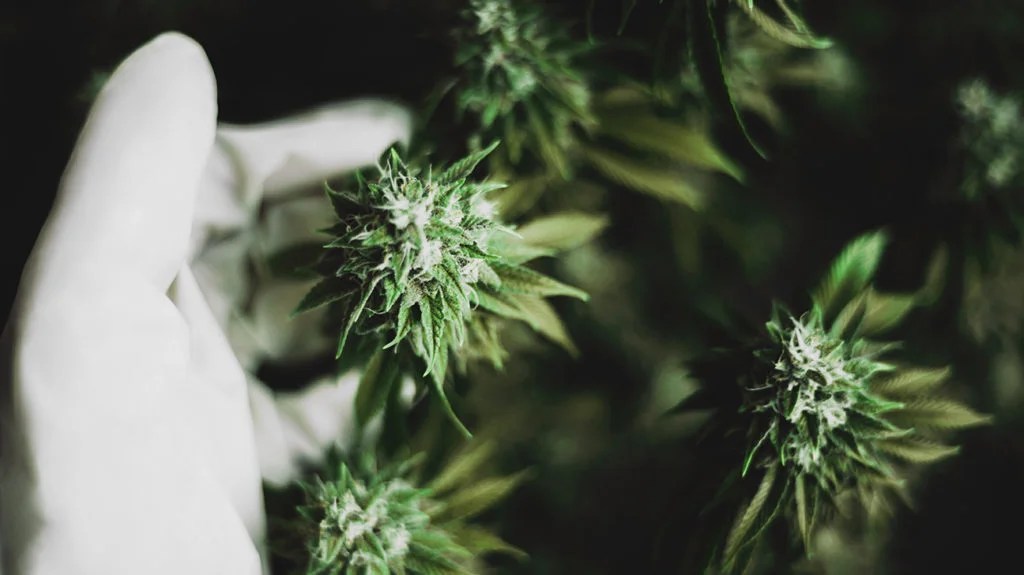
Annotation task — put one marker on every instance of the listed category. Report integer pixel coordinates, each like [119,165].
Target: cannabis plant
[828,415]
[989,207]
[992,136]
[359,518]
[418,262]
[520,80]
[757,64]
[713,58]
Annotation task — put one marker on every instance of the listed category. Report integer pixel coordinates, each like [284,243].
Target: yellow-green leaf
[938,414]
[748,519]
[803,520]
[480,540]
[539,314]
[645,131]
[524,281]
[798,36]
[666,184]
[885,311]
[478,497]
[519,196]
[850,317]
[379,376]
[562,231]
[850,272]
[464,466]
[916,450]
[934,278]
[909,383]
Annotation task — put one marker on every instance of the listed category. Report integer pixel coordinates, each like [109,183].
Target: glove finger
[287,155]
[96,445]
[127,196]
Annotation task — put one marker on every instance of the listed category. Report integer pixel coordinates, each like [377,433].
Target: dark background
[880,161]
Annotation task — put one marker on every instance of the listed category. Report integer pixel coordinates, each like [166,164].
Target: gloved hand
[134,437]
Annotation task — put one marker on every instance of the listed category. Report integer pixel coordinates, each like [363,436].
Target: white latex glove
[134,442]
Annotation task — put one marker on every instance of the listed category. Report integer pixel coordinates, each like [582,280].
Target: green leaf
[419,563]
[479,540]
[479,497]
[464,168]
[324,292]
[643,130]
[917,450]
[938,414]
[935,277]
[462,468]
[294,261]
[666,184]
[885,311]
[706,52]
[520,196]
[499,304]
[437,383]
[540,316]
[850,317]
[748,522]
[379,376]
[515,251]
[803,517]
[549,150]
[355,313]
[562,231]
[909,383]
[798,36]
[850,273]
[343,203]
[524,281]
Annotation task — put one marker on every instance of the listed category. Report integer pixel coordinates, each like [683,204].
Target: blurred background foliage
[863,135]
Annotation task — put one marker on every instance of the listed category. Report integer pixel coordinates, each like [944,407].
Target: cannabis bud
[520,69]
[816,392]
[366,528]
[828,418]
[992,135]
[419,261]
[378,521]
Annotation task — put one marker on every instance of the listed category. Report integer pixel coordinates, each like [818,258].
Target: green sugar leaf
[850,273]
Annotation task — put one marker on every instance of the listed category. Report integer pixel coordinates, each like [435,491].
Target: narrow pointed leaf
[917,450]
[645,131]
[540,316]
[324,292]
[885,311]
[464,167]
[850,317]
[747,521]
[477,498]
[850,273]
[797,37]
[938,414]
[462,469]
[354,314]
[437,382]
[706,51]
[802,517]
[667,184]
[524,281]
[909,383]
[379,376]
[935,278]
[562,231]
[479,541]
